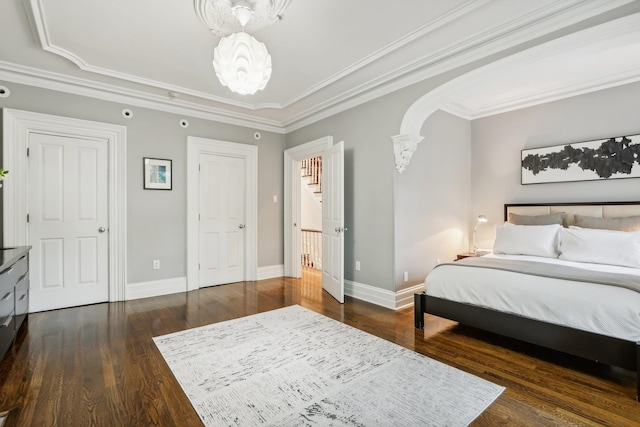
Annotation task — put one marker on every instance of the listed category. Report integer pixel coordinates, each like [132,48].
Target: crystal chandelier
[241,62]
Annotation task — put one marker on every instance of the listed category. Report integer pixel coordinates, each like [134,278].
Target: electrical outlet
[406,276]
[156,264]
[357,265]
[275,198]
[437,261]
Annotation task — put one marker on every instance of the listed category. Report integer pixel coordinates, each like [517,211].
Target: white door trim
[195,147]
[17,125]
[292,156]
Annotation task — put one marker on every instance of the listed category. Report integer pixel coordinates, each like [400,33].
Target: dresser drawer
[7,298]
[14,294]
[22,295]
[7,326]
[10,276]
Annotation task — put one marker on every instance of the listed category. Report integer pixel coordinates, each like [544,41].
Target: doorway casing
[17,126]
[195,147]
[292,210]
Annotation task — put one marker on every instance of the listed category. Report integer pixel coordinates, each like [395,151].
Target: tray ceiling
[327,55]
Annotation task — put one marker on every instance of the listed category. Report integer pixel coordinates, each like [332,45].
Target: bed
[598,322]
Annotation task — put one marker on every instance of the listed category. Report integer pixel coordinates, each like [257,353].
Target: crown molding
[37,19]
[422,31]
[470,112]
[445,97]
[620,28]
[62,83]
[538,23]
[450,57]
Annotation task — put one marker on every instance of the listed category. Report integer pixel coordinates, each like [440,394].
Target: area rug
[294,367]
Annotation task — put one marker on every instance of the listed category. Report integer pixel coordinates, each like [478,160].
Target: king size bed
[563,276]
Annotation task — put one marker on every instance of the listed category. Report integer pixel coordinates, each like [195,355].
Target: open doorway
[332,172]
[293,158]
[311,215]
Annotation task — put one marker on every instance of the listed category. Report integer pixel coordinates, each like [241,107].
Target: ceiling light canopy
[219,16]
[241,62]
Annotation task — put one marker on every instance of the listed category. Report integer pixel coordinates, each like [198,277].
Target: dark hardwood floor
[97,365]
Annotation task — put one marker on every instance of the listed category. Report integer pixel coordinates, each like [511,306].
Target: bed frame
[600,348]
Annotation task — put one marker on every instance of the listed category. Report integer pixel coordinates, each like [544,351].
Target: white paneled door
[333,221]
[68,220]
[221,219]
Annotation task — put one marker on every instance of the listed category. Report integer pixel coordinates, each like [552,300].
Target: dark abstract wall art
[610,158]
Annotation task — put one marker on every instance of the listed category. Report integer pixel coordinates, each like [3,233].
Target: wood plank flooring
[97,365]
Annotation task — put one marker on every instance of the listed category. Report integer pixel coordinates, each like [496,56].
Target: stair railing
[311,248]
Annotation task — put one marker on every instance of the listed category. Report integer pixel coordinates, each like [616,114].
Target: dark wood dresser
[14,293]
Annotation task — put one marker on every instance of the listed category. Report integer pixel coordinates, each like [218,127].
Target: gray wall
[498,140]
[368,187]
[432,198]
[389,240]
[369,178]
[156,220]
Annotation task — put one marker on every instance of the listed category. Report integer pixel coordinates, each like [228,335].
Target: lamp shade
[242,63]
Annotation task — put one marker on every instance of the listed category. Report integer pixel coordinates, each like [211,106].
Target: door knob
[101,230]
[241,226]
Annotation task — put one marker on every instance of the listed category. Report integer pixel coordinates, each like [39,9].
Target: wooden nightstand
[470,254]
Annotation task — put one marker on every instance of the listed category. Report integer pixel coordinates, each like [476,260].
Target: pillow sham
[557,218]
[600,246]
[623,223]
[539,240]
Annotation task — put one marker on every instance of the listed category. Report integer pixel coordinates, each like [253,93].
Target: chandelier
[241,62]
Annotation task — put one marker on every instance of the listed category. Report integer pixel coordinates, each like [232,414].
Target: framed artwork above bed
[609,158]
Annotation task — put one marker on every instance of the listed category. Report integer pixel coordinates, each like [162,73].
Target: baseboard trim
[404,298]
[388,299]
[156,288]
[270,272]
[382,297]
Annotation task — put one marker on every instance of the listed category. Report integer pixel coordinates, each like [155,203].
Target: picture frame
[157,174]
[599,159]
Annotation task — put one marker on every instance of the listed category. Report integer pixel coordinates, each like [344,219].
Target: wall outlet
[406,276]
[275,198]
[156,264]
[437,261]
[357,265]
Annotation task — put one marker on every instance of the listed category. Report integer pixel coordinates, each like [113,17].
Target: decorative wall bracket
[403,148]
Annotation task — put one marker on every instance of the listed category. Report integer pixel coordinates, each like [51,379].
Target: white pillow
[600,246]
[538,240]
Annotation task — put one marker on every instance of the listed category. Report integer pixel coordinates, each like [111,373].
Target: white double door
[68,221]
[221,235]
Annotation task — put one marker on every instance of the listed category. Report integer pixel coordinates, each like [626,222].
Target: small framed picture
[157,174]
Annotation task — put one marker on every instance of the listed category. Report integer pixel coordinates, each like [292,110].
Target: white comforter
[607,310]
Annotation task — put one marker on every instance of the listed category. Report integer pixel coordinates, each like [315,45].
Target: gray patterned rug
[293,367]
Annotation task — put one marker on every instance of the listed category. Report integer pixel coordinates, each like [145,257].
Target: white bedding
[607,310]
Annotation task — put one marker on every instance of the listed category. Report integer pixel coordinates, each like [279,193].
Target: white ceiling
[328,55]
